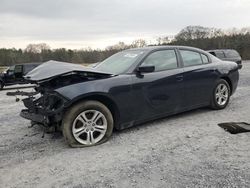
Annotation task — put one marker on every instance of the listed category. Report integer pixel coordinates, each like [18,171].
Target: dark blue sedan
[128,88]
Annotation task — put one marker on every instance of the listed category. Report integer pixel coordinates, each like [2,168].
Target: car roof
[151,48]
[163,47]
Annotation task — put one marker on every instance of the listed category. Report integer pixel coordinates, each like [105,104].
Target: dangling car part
[128,88]
[235,127]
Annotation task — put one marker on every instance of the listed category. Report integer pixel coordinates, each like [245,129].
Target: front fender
[104,98]
[94,95]
[75,91]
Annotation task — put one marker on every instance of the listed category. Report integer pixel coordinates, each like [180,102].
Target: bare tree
[37,48]
[139,43]
[194,32]
[162,40]
[118,46]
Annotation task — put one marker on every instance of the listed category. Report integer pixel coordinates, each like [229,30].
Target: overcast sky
[98,23]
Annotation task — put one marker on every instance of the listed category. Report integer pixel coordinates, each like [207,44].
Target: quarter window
[190,58]
[204,58]
[162,60]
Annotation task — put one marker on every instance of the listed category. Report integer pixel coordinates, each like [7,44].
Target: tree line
[210,38]
[195,36]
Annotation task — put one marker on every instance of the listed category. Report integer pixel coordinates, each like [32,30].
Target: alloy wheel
[221,94]
[89,127]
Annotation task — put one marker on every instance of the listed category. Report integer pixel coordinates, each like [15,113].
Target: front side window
[190,58]
[10,71]
[162,60]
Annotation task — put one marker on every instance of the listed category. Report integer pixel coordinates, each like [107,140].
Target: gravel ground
[186,150]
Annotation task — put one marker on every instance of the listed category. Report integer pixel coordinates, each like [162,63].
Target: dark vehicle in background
[227,55]
[128,88]
[15,74]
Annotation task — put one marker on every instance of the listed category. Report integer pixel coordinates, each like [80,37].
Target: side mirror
[146,69]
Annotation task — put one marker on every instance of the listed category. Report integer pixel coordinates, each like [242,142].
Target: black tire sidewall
[74,111]
[215,105]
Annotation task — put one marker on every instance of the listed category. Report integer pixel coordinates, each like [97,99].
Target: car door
[199,77]
[18,73]
[159,92]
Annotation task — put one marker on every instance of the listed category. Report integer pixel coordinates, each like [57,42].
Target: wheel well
[229,83]
[109,103]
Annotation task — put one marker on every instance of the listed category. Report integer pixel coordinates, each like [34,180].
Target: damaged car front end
[45,106]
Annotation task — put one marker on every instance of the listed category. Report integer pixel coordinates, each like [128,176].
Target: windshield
[119,62]
[10,70]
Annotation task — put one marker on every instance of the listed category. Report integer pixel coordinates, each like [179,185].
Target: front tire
[221,95]
[86,124]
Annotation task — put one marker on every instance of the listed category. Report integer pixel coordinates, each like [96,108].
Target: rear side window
[220,54]
[231,53]
[190,58]
[162,60]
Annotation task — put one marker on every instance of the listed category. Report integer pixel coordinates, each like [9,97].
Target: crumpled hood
[52,69]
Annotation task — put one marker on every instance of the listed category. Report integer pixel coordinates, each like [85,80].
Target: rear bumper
[234,77]
[239,63]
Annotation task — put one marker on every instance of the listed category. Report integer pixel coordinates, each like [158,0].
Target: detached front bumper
[38,118]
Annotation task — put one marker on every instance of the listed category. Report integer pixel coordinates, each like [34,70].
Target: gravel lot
[186,150]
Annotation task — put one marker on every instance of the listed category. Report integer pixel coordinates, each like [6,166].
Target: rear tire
[221,95]
[87,123]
